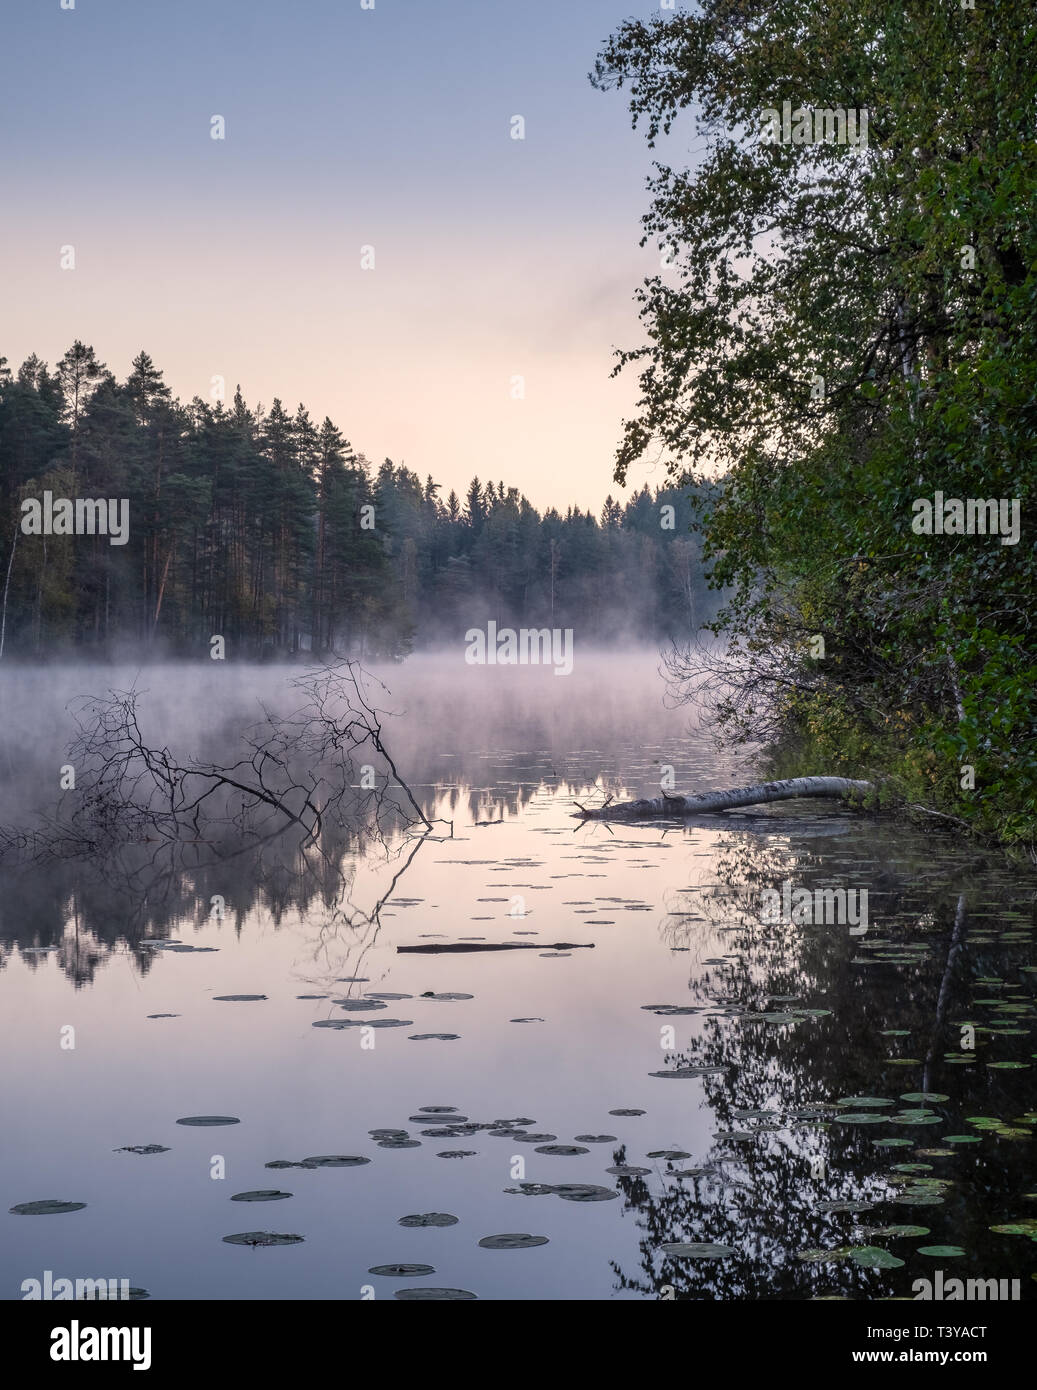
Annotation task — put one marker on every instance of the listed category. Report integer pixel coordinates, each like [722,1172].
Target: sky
[494,258]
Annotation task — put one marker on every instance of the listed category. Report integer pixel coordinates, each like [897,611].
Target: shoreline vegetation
[842,334]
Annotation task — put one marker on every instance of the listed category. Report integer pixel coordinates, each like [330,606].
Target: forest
[268,530]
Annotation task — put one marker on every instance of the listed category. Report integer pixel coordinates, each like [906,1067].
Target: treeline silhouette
[268,530]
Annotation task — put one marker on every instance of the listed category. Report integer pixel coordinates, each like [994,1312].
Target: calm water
[743,1153]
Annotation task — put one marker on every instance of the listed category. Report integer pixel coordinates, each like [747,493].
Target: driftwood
[726,801]
[457,947]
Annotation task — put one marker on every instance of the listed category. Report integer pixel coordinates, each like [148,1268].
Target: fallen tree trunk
[726,801]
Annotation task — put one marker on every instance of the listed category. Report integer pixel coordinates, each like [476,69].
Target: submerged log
[726,801]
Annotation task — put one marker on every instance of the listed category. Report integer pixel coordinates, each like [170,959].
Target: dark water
[784,1019]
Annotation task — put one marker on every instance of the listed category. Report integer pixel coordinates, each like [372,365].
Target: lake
[694,1104]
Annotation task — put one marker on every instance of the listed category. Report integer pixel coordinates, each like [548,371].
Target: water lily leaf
[1016,1228]
[359,1006]
[239,998]
[511,1241]
[363,1023]
[429,1218]
[399,1143]
[256,1238]
[420,1294]
[601,1139]
[584,1192]
[874,1257]
[143,1149]
[561,1150]
[628,1170]
[943,1252]
[893,1143]
[444,997]
[51,1206]
[263,1194]
[864,1102]
[861,1118]
[204,1121]
[434,1037]
[925,1095]
[687,1073]
[456,1153]
[335,1161]
[884,1232]
[670,1154]
[402,1271]
[962,1139]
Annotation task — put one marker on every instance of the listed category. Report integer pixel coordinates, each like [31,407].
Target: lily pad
[363,1023]
[925,1095]
[335,1161]
[628,1112]
[256,1238]
[239,998]
[943,1252]
[584,1192]
[142,1149]
[512,1241]
[206,1121]
[601,1139]
[402,1271]
[561,1150]
[429,1218]
[425,1295]
[874,1257]
[51,1206]
[885,1232]
[262,1194]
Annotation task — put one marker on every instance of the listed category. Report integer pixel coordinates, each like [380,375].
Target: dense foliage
[268,530]
[845,331]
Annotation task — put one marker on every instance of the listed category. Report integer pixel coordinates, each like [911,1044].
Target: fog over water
[729,1040]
